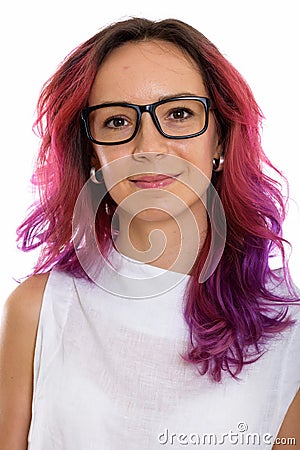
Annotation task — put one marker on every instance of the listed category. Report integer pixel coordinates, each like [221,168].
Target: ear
[94,160]
[218,147]
[218,158]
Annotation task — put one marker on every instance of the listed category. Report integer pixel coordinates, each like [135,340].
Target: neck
[169,243]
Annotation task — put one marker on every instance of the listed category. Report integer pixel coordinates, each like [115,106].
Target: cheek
[115,172]
[199,153]
[119,192]
[104,157]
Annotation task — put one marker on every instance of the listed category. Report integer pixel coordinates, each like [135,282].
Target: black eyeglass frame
[140,109]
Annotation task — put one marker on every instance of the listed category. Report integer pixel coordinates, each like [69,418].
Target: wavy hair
[233,314]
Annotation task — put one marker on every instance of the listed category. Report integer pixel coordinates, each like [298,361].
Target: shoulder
[20,315]
[19,324]
[26,299]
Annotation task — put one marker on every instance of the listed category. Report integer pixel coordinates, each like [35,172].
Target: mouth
[154,181]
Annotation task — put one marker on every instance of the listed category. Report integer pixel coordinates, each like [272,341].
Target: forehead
[144,72]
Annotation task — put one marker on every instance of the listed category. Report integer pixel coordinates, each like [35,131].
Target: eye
[116,122]
[180,113]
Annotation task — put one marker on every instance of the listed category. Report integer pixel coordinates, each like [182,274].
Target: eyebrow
[180,94]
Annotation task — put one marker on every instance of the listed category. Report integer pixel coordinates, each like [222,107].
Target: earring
[218,164]
[94,177]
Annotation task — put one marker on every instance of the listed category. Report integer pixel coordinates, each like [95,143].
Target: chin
[154,215]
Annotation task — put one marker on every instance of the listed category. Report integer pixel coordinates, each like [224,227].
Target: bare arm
[17,342]
[290,427]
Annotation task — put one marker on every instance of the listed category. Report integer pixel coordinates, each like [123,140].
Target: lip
[154,181]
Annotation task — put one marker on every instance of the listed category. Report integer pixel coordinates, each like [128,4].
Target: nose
[149,143]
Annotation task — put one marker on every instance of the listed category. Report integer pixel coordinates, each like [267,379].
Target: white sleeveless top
[108,373]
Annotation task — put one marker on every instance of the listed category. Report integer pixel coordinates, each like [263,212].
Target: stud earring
[218,164]
[94,177]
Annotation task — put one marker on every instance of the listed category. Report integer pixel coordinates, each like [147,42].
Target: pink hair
[233,311]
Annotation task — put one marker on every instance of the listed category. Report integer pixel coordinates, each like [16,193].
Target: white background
[260,37]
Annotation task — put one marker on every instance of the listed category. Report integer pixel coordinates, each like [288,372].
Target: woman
[153,318]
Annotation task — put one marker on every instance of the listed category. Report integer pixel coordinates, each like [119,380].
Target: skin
[139,73]
[18,331]
[143,73]
[290,426]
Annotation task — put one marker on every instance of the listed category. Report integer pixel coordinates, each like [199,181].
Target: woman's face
[143,73]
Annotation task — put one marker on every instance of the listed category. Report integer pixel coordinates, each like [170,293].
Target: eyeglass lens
[177,118]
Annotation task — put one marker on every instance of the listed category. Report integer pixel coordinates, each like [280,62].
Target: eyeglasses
[175,118]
